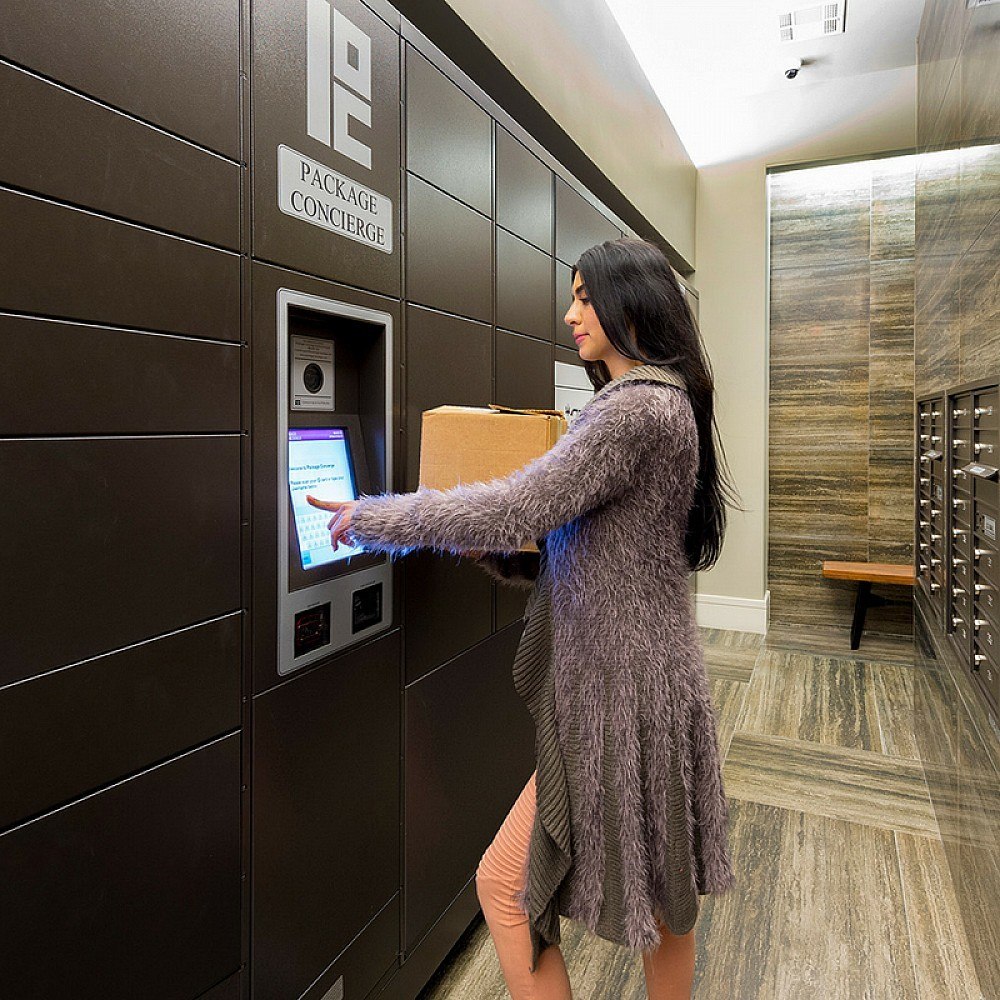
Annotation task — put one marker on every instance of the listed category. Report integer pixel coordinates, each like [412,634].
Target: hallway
[822,764]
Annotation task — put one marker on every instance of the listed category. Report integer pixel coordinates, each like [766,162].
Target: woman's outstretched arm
[593,462]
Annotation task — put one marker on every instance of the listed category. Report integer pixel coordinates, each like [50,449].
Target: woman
[623,824]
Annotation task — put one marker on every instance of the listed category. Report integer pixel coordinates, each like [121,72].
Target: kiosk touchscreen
[334,442]
[320,465]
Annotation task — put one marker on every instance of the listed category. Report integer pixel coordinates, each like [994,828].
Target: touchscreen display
[319,463]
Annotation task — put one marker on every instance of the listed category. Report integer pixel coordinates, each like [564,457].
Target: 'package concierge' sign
[314,193]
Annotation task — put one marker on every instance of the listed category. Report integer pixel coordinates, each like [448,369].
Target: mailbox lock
[959,413]
[980,410]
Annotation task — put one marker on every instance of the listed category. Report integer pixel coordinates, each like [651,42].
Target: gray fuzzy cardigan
[631,819]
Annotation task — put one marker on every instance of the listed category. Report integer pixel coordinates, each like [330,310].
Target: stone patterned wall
[841,385]
[957,339]
[957,335]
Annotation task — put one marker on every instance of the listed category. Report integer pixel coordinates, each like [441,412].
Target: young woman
[624,822]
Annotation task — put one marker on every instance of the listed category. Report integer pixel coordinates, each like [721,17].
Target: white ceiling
[718,66]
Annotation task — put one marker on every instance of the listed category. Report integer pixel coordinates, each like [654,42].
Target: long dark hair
[633,288]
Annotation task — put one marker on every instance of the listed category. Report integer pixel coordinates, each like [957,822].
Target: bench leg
[860,607]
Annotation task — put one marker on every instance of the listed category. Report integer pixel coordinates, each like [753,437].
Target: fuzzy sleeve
[518,569]
[593,462]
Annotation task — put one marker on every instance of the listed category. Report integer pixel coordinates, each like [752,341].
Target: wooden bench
[866,574]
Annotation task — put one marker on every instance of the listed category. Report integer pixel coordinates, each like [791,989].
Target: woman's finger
[334,505]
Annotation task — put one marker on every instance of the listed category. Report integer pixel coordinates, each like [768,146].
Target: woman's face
[591,341]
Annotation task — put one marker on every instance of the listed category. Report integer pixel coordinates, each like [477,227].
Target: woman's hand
[340,524]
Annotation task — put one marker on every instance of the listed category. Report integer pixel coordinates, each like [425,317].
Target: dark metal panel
[525,376]
[469,750]
[229,989]
[325,814]
[510,604]
[568,357]
[423,961]
[563,299]
[73,149]
[133,892]
[447,602]
[579,225]
[61,378]
[449,138]
[448,361]
[449,258]
[467,60]
[524,192]
[280,117]
[524,287]
[65,262]
[174,64]
[74,730]
[110,541]
[362,967]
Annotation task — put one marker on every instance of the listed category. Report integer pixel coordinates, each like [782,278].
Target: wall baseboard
[734,614]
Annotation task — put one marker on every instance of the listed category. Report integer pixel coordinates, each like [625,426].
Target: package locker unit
[184,189]
[958,451]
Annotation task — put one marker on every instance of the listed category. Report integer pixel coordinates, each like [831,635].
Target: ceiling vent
[812,22]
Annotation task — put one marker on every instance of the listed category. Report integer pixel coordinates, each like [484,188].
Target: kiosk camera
[334,442]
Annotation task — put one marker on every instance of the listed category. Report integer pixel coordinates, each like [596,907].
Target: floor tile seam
[906,914]
[841,752]
[912,831]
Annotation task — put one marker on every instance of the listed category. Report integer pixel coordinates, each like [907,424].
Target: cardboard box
[468,444]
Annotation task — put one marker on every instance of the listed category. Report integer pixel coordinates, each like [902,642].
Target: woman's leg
[498,877]
[670,968]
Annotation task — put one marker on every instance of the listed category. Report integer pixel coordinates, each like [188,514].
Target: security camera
[793,71]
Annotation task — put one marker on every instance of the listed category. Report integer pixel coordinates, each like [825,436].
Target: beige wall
[573,59]
[732,280]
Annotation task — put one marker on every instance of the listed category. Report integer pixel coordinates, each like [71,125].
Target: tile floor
[843,889]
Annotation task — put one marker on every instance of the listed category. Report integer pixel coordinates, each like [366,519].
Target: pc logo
[346,56]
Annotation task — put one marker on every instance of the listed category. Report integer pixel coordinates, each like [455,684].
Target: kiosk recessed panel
[319,464]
